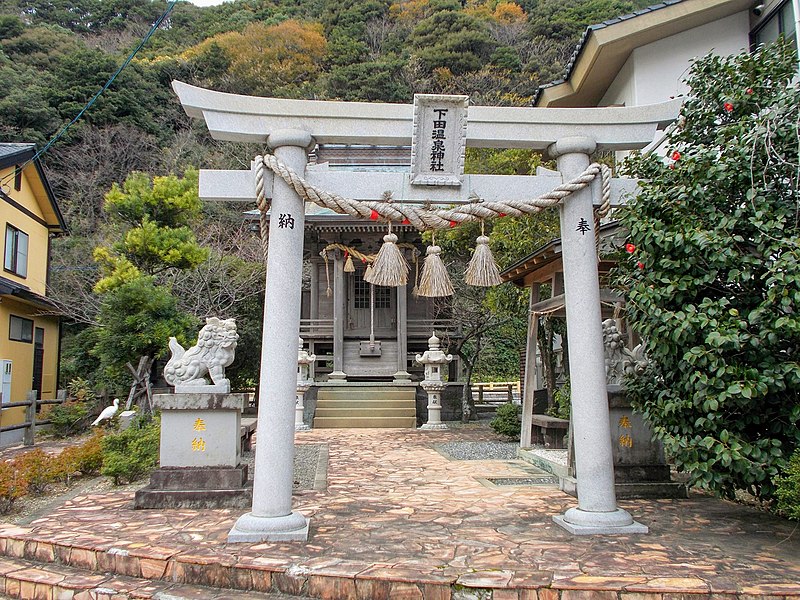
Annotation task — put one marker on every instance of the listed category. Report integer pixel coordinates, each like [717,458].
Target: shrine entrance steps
[373,404]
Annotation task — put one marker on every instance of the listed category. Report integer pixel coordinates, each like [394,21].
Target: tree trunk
[467,403]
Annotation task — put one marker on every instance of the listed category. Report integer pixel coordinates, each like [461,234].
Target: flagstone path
[401,520]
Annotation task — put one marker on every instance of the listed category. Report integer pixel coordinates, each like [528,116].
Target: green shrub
[72,417]
[561,402]
[36,467]
[13,485]
[131,454]
[787,489]
[506,421]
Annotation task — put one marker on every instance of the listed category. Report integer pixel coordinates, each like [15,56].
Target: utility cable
[170,5]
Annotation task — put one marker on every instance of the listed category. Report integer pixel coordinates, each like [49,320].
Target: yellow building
[29,329]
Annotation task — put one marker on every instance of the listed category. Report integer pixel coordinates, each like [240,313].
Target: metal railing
[30,423]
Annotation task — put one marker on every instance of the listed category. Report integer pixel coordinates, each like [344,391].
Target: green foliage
[452,40]
[136,319]
[561,402]
[133,453]
[72,417]
[507,421]
[787,489]
[713,283]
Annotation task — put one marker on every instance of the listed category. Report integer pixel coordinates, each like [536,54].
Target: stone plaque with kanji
[438,141]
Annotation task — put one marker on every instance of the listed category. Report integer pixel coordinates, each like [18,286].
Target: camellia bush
[711,273]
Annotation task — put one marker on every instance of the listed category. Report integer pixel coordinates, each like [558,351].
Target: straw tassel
[435,282]
[348,263]
[390,267]
[482,270]
[328,290]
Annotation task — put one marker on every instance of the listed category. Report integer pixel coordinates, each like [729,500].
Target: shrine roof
[605,47]
[539,265]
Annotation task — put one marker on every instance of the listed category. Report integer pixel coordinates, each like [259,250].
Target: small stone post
[304,381]
[434,359]
[272,517]
[597,510]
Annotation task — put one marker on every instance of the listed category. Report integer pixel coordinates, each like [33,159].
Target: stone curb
[332,578]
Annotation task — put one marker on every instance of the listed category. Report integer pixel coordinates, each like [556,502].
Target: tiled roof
[579,47]
[9,149]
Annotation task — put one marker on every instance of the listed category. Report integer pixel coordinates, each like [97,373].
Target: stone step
[373,412]
[371,403]
[20,578]
[360,422]
[371,393]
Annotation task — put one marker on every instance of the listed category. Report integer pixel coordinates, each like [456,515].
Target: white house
[643,57]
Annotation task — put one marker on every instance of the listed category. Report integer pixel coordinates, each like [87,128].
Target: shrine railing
[416,328]
[425,327]
[310,328]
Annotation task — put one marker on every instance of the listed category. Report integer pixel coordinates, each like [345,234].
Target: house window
[383,295]
[16,251]
[780,22]
[20,330]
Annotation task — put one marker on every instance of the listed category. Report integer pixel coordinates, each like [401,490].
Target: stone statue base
[196,487]
[200,453]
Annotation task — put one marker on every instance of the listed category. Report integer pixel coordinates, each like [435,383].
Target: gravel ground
[479,450]
[556,456]
[306,458]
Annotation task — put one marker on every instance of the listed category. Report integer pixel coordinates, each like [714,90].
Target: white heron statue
[108,412]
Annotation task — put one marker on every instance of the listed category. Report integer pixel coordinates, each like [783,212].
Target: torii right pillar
[597,511]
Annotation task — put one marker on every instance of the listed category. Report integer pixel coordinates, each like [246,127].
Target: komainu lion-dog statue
[215,350]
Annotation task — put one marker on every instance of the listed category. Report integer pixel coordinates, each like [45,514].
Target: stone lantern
[304,382]
[434,360]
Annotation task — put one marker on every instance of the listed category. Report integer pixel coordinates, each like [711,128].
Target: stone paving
[400,520]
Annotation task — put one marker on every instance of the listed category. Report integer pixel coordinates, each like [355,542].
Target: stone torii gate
[291,128]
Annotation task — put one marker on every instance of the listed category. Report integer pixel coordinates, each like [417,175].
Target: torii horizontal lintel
[232,117]
[240,186]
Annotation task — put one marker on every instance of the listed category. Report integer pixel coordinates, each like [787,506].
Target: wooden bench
[548,431]
[246,431]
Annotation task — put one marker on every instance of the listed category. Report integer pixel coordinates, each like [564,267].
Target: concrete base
[402,376]
[337,376]
[584,522]
[302,427]
[434,426]
[250,528]
[196,487]
[602,530]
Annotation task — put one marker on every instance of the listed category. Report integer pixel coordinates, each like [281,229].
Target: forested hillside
[55,54]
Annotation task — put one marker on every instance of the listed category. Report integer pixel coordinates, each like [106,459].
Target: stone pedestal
[200,456]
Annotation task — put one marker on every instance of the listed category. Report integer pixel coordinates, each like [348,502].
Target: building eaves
[568,70]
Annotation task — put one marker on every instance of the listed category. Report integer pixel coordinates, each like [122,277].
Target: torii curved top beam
[238,118]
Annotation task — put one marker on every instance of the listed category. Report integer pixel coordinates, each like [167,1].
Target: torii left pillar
[272,518]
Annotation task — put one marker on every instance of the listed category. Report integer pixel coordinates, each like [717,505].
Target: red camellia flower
[676,155]
[453,223]
[630,248]
[374,215]
[672,166]
[640,265]
[728,107]
[749,91]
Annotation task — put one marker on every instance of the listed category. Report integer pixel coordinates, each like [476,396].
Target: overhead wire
[156,24]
